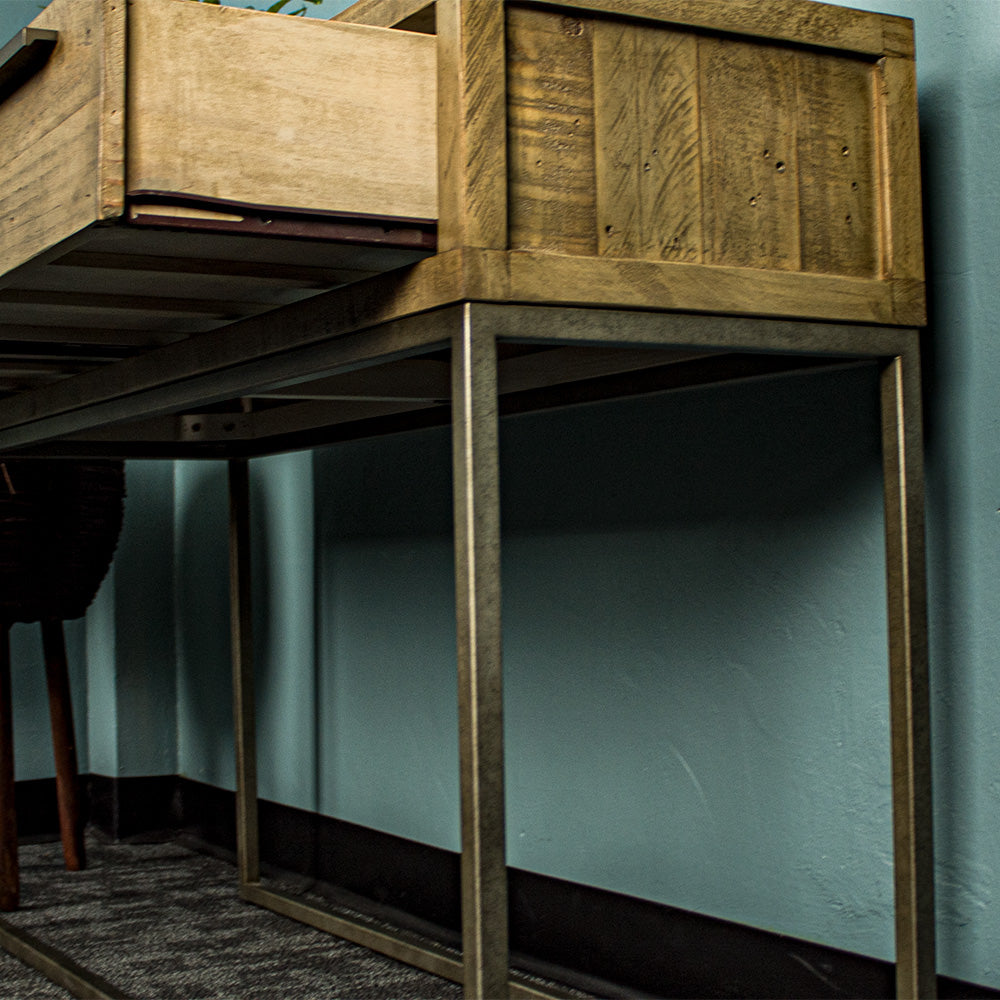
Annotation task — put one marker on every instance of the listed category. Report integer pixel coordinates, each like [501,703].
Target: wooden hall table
[757,211]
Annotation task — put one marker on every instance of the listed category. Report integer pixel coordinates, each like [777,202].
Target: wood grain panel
[411,15]
[798,21]
[748,119]
[471,124]
[648,168]
[899,159]
[50,184]
[237,104]
[526,276]
[550,132]
[837,170]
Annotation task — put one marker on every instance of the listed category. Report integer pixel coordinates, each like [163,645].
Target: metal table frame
[473,330]
[364,326]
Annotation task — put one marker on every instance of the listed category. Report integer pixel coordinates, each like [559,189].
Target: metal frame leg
[475,435]
[244,719]
[909,701]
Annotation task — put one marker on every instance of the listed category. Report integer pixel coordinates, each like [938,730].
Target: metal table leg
[480,688]
[909,704]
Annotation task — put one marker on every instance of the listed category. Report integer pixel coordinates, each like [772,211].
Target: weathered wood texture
[798,21]
[472,186]
[410,15]
[61,165]
[271,110]
[638,139]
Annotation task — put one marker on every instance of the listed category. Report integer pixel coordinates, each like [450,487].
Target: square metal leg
[909,696]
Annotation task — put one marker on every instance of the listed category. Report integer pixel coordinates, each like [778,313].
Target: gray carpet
[161,922]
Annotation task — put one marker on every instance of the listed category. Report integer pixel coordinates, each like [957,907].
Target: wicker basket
[59,525]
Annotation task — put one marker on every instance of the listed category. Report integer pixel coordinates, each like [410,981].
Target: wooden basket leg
[10,882]
[63,744]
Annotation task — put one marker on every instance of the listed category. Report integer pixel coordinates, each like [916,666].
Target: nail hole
[196,427]
[609,229]
[847,219]
[780,166]
[753,202]
[845,151]
[538,163]
[767,154]
[646,167]
[854,185]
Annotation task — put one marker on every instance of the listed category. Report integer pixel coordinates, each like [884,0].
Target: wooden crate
[177,166]
[770,146]
[173,165]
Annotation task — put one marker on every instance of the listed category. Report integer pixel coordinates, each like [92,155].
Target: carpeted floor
[161,922]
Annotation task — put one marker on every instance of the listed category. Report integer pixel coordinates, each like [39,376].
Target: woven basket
[59,525]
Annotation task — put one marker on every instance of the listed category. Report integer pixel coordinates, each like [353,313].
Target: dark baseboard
[598,940]
[37,810]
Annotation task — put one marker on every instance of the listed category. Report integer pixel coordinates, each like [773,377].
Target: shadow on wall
[204,684]
[694,642]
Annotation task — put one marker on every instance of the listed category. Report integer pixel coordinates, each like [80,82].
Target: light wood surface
[798,21]
[471,122]
[839,175]
[638,140]
[649,172]
[61,164]
[550,133]
[902,224]
[272,110]
[411,15]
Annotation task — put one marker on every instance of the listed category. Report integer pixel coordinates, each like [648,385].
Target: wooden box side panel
[272,110]
[61,133]
[632,139]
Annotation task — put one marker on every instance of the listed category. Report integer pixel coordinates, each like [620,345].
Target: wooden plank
[111,135]
[909,296]
[224,103]
[50,185]
[550,278]
[749,149]
[898,37]
[550,139]
[472,125]
[409,15]
[23,56]
[797,21]
[837,168]
[649,181]
[899,162]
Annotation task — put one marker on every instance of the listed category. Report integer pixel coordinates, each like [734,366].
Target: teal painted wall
[694,613]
